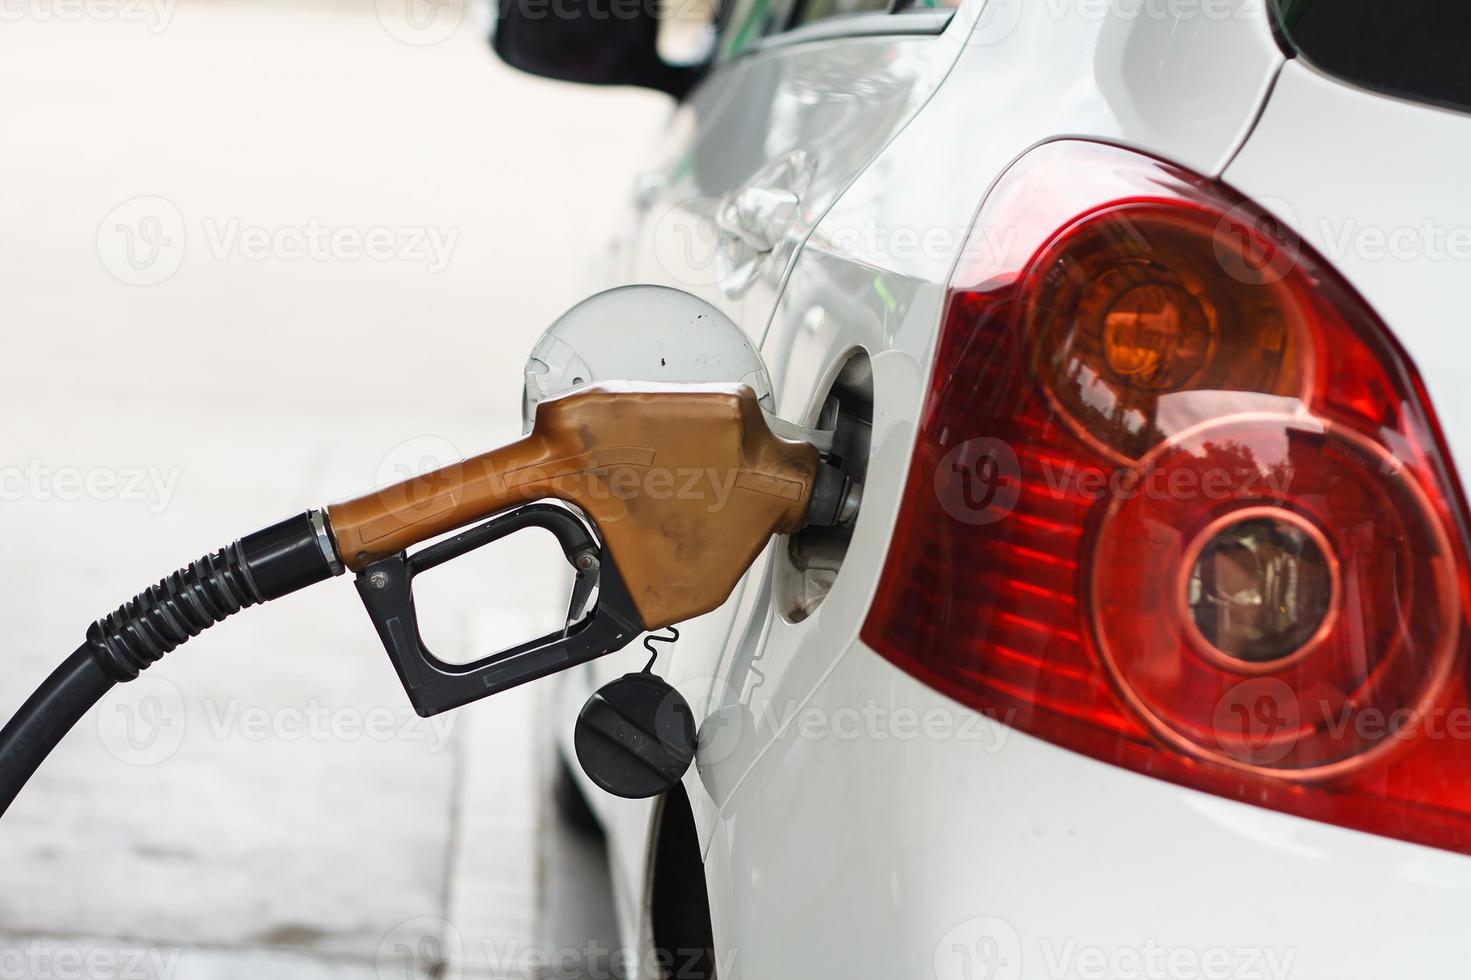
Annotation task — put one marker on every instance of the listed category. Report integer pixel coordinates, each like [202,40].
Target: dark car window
[756,23]
[1416,49]
[753,20]
[812,11]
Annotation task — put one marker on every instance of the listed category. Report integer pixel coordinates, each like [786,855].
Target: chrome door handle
[752,221]
[758,216]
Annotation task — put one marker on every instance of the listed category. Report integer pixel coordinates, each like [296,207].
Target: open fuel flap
[635,735]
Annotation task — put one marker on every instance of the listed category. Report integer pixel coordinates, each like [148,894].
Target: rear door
[804,94]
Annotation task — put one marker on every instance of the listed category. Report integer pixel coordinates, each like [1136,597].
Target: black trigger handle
[434,686]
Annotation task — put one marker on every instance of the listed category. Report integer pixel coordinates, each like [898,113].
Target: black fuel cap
[635,736]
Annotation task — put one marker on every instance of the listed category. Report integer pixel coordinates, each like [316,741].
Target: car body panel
[940,843]
[836,848]
[1392,213]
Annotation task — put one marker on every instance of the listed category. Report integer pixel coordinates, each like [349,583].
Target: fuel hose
[257,568]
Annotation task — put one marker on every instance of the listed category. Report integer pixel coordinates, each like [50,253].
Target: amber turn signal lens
[1133,308]
[1155,336]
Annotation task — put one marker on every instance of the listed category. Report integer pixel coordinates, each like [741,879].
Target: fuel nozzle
[835,497]
[681,487]
[667,495]
[835,493]
[684,483]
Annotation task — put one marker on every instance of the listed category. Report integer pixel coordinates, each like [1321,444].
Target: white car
[1144,656]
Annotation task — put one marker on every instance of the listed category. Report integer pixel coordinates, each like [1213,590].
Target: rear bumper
[915,838]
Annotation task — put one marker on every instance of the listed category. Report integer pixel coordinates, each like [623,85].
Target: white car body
[836,844]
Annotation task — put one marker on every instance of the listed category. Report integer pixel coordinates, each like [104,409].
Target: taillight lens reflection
[1178,502]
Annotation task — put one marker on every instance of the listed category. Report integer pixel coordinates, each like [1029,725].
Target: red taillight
[1179,503]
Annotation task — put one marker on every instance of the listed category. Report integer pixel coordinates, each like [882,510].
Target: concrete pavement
[254,257]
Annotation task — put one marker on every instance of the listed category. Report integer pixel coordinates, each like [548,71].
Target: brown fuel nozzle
[685,483]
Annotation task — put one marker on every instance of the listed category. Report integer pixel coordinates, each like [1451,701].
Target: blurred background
[256,257]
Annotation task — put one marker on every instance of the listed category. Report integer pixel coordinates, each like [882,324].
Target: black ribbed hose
[259,567]
[58,704]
